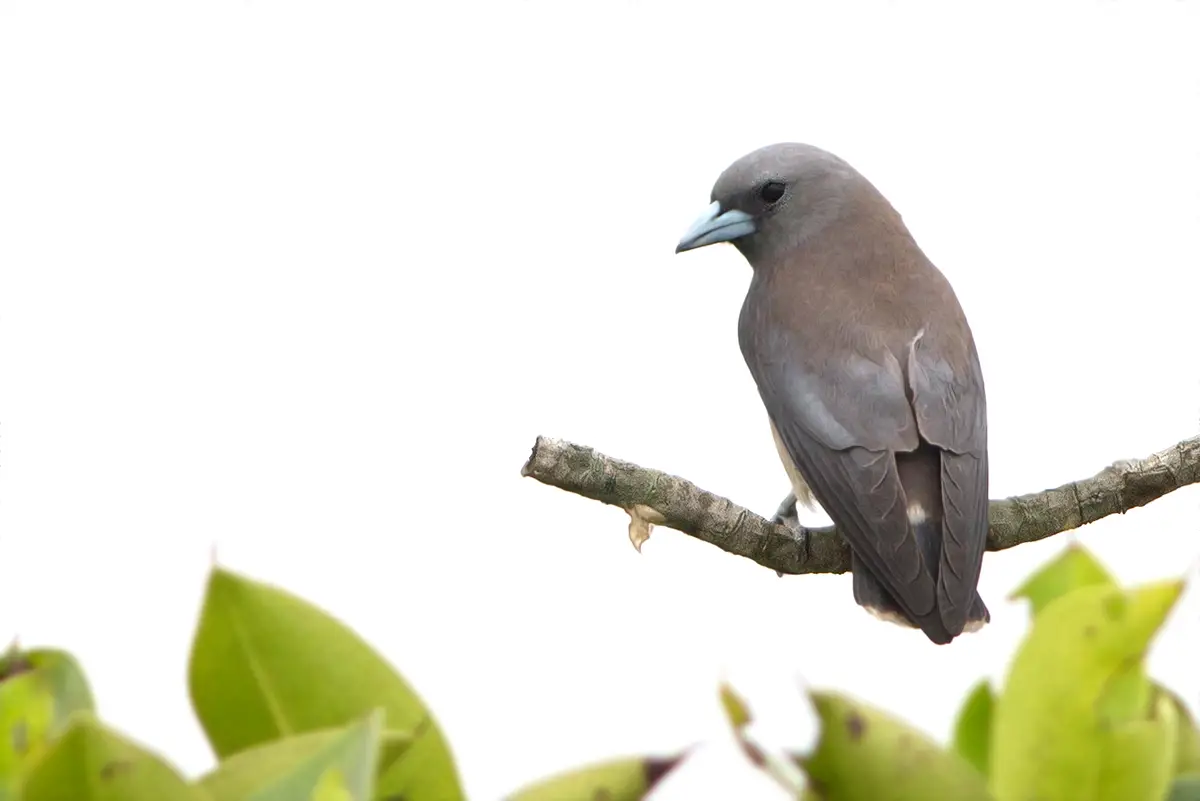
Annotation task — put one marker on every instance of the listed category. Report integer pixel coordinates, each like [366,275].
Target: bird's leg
[786,515]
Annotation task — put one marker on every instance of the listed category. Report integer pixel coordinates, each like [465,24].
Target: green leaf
[1185,788]
[973,730]
[331,786]
[343,770]
[39,691]
[1072,569]
[776,765]
[1187,744]
[1076,678]
[1138,757]
[266,665]
[629,779]
[241,775]
[90,762]
[735,708]
[1125,697]
[864,753]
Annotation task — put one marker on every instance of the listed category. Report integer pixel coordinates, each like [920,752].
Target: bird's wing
[841,422]
[951,412]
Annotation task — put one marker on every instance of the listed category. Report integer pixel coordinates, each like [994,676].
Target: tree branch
[653,497]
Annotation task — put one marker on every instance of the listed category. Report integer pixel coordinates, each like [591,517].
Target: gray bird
[870,377]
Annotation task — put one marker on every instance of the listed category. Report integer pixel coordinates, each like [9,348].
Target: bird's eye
[771,191]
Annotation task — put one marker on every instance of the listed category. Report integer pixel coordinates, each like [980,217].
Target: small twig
[683,506]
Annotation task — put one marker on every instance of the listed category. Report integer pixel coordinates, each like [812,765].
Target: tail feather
[921,477]
[871,594]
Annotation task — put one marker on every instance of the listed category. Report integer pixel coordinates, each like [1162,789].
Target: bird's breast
[823,322]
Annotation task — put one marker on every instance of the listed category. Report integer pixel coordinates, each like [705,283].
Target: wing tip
[973,620]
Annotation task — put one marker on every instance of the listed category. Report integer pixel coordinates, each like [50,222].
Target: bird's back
[854,298]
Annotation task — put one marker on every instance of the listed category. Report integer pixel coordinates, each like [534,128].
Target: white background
[305,280]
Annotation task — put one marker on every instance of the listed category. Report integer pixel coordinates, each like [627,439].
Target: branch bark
[654,497]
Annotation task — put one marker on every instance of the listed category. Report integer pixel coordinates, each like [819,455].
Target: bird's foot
[787,516]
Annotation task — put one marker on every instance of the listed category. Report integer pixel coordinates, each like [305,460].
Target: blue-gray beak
[716,226]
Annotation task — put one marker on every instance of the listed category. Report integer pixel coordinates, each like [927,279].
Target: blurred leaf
[778,766]
[1185,788]
[330,787]
[1077,674]
[343,770]
[1137,761]
[392,745]
[266,664]
[237,777]
[735,708]
[90,762]
[241,775]
[864,753]
[628,779]
[1126,696]
[1074,568]
[1187,744]
[973,730]
[39,690]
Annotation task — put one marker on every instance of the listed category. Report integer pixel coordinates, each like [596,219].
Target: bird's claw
[786,515]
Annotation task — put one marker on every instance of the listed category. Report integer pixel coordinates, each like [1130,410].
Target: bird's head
[778,194]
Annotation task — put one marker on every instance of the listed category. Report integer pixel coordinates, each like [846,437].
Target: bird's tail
[871,594]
